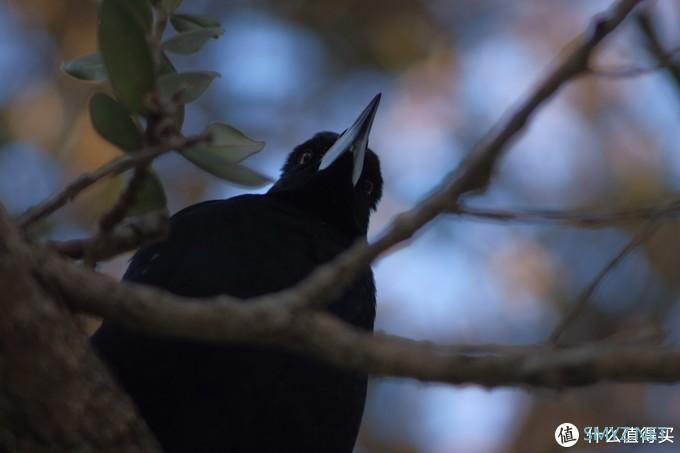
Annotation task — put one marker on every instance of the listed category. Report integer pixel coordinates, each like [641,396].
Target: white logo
[566,434]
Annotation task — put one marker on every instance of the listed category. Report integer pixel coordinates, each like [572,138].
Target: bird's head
[336,175]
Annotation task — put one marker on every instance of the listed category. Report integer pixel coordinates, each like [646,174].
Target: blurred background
[447,70]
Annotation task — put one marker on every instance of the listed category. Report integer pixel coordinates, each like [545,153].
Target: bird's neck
[334,209]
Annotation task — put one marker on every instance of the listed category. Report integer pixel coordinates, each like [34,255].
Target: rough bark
[55,394]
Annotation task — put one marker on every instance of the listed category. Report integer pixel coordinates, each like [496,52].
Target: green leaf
[168,68]
[124,49]
[192,41]
[185,87]
[150,197]
[214,163]
[113,122]
[232,143]
[221,155]
[169,6]
[88,67]
[141,11]
[187,22]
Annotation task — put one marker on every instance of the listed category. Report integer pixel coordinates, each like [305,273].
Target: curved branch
[124,237]
[473,175]
[583,219]
[286,320]
[115,167]
[638,239]
[320,335]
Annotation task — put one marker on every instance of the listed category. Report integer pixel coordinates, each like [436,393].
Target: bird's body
[196,396]
[200,397]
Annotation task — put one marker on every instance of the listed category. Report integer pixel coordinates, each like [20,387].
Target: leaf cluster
[143,96]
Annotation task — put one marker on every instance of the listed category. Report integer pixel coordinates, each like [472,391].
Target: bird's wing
[244,246]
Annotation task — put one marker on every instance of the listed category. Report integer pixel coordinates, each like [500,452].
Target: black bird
[200,397]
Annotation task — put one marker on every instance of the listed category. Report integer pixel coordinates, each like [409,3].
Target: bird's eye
[305,157]
[368,186]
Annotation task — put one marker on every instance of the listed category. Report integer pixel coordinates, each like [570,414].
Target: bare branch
[473,174]
[117,166]
[666,60]
[646,25]
[639,238]
[117,213]
[583,219]
[320,335]
[286,320]
[124,237]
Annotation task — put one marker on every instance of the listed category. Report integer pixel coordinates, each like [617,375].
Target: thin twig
[645,24]
[583,219]
[120,209]
[639,238]
[117,166]
[117,213]
[127,236]
[625,72]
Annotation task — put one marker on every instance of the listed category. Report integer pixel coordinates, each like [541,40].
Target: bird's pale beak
[354,140]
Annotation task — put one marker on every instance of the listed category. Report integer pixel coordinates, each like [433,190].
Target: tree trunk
[55,394]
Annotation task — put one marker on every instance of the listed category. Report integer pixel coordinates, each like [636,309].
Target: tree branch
[124,237]
[583,219]
[141,230]
[115,167]
[473,174]
[286,320]
[264,315]
[117,213]
[55,395]
[320,335]
[120,209]
[639,238]
[665,61]
[645,24]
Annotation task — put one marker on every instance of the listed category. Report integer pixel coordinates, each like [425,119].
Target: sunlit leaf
[192,41]
[187,22]
[185,87]
[150,197]
[113,122]
[88,67]
[124,49]
[233,143]
[215,164]
[221,155]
